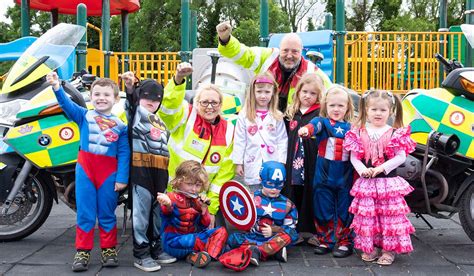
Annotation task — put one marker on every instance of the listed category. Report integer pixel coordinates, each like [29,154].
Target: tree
[310,26]
[246,24]
[386,10]
[362,13]
[423,16]
[297,10]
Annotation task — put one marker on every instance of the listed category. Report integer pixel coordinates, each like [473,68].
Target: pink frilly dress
[379,206]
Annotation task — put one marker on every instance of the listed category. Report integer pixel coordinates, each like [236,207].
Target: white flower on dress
[298,163]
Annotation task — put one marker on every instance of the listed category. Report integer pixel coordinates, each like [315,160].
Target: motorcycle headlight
[8,111]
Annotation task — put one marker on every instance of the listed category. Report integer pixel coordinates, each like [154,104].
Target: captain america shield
[237,205]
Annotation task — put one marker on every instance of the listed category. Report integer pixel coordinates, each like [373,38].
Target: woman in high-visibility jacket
[198,132]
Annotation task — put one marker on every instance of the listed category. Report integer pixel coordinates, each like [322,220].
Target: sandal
[387,258]
[372,256]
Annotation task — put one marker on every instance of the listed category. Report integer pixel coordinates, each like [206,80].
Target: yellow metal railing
[154,65]
[396,61]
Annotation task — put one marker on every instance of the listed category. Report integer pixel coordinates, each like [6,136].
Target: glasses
[207,103]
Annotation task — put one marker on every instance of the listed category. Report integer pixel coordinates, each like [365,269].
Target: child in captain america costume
[101,170]
[333,174]
[186,218]
[275,228]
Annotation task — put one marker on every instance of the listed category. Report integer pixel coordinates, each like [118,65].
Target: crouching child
[186,218]
[275,228]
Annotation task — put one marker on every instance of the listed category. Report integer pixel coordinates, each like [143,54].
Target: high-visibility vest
[193,138]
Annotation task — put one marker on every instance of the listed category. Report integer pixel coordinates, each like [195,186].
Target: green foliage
[156,26]
[310,26]
[406,23]
[246,22]
[386,10]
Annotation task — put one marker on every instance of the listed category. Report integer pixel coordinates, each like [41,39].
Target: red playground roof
[94,7]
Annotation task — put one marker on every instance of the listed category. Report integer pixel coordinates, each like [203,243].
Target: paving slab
[62,269]
[4,268]
[445,250]
[425,270]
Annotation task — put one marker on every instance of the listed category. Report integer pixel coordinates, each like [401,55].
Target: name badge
[197,145]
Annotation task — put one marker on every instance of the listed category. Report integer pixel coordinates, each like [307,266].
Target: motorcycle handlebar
[441,59]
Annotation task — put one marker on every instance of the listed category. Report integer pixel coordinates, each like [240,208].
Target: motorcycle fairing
[17,70]
[439,110]
[49,142]
[41,101]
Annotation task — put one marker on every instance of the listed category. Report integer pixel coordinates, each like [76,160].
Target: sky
[4,4]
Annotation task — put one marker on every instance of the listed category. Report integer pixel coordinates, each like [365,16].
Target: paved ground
[446,250]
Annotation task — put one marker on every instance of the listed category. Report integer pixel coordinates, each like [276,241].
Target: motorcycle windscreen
[46,54]
[468,31]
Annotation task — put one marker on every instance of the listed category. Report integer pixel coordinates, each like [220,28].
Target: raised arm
[72,110]
[174,108]
[250,58]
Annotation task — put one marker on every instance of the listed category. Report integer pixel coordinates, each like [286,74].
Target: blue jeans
[144,205]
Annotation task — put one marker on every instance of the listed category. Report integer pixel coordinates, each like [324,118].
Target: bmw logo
[44,140]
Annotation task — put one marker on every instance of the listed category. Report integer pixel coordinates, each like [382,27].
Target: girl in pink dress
[377,149]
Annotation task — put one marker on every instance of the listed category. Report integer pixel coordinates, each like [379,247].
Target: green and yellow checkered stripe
[24,139]
[437,108]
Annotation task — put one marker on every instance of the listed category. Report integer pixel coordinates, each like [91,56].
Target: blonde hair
[337,89]
[207,87]
[307,78]
[251,102]
[395,106]
[191,171]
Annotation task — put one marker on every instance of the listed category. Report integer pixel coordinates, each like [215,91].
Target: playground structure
[396,61]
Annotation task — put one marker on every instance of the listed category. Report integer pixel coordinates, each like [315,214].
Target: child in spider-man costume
[185,218]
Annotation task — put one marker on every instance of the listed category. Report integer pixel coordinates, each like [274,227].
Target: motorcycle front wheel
[466,213]
[28,211]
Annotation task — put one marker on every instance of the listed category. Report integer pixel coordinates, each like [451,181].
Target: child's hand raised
[129,79]
[303,132]
[53,80]
[163,199]
[267,230]
[183,70]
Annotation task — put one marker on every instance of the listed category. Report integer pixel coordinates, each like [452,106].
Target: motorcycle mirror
[315,56]
[444,143]
[468,31]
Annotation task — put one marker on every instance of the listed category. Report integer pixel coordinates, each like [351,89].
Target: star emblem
[339,130]
[236,206]
[268,210]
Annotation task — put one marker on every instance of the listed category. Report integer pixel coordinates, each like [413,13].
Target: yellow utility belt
[149,160]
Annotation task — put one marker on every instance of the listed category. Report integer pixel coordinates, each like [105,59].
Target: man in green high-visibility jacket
[286,64]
